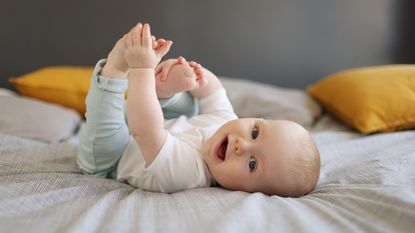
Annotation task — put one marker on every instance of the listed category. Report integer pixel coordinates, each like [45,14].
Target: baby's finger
[160,43]
[154,42]
[199,74]
[160,78]
[193,64]
[161,40]
[202,81]
[161,75]
[164,72]
[164,48]
[124,40]
[197,68]
[146,36]
[128,41]
[136,34]
[158,69]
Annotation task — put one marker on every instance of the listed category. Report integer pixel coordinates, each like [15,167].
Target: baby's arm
[116,67]
[146,121]
[212,83]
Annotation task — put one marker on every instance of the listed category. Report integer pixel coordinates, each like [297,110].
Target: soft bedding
[367,184]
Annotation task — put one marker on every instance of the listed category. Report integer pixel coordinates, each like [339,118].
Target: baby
[275,157]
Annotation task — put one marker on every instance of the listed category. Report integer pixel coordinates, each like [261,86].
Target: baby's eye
[252,164]
[255,132]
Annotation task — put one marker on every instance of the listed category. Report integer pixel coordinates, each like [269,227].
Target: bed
[367,181]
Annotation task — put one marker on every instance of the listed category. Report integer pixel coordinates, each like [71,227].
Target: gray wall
[289,43]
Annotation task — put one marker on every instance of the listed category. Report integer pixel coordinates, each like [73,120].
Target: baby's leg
[105,135]
[179,80]
[182,103]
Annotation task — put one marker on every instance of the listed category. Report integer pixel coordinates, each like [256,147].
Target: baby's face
[253,155]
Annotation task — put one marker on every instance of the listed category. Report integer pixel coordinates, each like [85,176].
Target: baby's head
[275,157]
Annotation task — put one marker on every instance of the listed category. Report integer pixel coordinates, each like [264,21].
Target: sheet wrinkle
[367,185]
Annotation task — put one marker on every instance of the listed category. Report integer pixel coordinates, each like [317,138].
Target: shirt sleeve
[178,166]
[218,101]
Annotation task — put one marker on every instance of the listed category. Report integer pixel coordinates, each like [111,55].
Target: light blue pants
[105,135]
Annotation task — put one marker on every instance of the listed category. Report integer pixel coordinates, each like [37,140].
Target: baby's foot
[183,76]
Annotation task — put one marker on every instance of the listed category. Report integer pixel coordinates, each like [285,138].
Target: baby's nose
[240,146]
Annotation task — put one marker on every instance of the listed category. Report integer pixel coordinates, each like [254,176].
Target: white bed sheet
[367,184]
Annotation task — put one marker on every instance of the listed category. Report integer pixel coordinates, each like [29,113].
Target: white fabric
[179,164]
[254,99]
[367,184]
[36,119]
[7,92]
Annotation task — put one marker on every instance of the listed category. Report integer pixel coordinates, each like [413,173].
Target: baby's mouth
[221,151]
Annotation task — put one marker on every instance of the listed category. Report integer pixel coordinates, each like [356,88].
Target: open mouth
[221,150]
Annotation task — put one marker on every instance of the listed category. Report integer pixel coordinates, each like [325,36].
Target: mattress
[367,184]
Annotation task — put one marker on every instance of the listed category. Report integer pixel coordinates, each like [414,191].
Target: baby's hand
[177,75]
[202,81]
[139,49]
[116,66]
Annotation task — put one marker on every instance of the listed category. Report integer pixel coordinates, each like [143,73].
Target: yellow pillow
[371,99]
[63,85]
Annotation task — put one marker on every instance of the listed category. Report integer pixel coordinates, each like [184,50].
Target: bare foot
[183,76]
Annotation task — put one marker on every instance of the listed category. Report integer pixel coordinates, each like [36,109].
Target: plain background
[289,43]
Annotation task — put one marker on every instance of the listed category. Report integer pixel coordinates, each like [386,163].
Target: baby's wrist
[142,72]
[111,72]
[142,69]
